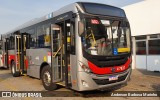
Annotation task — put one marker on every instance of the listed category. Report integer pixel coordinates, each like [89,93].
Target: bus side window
[28,41]
[43,36]
[11,43]
[32,38]
[56,40]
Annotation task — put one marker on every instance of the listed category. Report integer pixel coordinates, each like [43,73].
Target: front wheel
[46,79]
[13,70]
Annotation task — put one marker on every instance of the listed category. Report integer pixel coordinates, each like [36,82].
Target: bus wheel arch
[41,68]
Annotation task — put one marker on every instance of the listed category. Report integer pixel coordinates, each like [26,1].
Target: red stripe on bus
[11,57]
[109,70]
[26,63]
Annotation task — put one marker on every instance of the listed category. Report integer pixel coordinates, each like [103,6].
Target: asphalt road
[141,80]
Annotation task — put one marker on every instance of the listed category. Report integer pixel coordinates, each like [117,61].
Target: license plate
[113,78]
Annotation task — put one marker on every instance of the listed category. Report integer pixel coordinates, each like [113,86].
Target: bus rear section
[14,52]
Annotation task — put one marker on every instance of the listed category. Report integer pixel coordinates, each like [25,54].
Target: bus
[82,46]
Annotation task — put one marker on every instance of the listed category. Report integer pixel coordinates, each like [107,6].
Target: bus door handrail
[57,51]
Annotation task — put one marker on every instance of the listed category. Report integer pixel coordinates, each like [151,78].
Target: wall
[144,17]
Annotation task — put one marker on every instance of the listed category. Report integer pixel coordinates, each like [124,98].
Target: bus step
[61,83]
[24,74]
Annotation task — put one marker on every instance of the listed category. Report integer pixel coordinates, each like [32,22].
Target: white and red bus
[82,46]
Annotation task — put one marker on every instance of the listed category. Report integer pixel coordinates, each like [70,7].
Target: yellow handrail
[57,51]
[93,37]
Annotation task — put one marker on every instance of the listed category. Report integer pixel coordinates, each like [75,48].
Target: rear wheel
[46,79]
[13,70]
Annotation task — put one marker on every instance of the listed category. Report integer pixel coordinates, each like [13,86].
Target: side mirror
[80,28]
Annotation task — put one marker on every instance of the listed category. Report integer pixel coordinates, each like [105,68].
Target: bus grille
[106,81]
[103,64]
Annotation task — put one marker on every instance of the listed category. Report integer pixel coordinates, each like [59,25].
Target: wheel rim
[13,70]
[47,78]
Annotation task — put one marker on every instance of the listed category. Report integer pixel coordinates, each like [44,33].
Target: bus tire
[46,79]
[13,70]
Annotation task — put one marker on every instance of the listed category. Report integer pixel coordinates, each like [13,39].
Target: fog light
[84,83]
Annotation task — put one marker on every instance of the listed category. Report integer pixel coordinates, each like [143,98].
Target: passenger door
[21,42]
[63,45]
[5,57]
[56,52]
[18,52]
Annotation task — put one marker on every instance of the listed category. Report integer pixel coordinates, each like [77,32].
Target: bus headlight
[84,67]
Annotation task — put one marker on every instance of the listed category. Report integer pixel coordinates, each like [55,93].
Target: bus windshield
[106,37]
[101,9]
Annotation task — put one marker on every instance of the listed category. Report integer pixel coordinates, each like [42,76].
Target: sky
[13,13]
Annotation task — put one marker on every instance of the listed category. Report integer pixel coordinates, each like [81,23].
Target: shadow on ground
[4,76]
[72,93]
[156,87]
[3,68]
[150,73]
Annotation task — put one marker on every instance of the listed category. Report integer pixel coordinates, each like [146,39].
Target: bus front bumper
[93,81]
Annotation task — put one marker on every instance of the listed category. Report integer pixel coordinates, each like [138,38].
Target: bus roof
[67,8]
[70,7]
